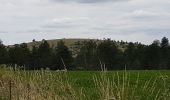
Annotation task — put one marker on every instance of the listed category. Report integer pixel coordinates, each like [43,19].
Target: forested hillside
[87,54]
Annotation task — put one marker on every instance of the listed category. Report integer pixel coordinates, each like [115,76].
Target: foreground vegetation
[18,84]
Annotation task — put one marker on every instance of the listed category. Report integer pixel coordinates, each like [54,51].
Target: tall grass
[18,84]
[36,85]
[121,87]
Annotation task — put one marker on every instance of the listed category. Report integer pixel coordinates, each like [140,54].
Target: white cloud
[68,19]
[141,13]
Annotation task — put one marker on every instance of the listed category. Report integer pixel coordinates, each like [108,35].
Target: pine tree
[87,56]
[44,55]
[3,54]
[164,52]
[19,54]
[63,57]
[108,54]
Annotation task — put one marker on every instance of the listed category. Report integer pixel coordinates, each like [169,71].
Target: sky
[128,20]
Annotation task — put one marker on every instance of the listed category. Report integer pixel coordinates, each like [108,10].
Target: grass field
[84,85]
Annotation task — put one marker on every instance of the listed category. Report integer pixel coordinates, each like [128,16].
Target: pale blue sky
[128,20]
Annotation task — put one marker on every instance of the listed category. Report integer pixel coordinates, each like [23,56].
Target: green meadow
[18,84]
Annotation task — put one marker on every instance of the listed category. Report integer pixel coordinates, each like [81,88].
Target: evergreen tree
[164,42]
[44,55]
[3,54]
[130,55]
[108,54]
[140,56]
[165,52]
[134,56]
[19,54]
[152,56]
[62,58]
[34,58]
[87,57]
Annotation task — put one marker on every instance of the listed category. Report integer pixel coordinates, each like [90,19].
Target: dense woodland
[90,55]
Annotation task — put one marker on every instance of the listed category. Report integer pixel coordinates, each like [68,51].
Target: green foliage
[108,53]
[44,54]
[165,53]
[3,54]
[34,57]
[87,57]
[130,55]
[152,56]
[164,42]
[19,54]
[62,58]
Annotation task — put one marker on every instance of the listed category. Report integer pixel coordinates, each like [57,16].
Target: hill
[53,43]
[70,43]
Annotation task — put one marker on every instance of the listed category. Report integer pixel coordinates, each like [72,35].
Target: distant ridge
[70,42]
[53,42]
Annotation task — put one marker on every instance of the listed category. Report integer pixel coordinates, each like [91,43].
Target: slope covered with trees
[89,55]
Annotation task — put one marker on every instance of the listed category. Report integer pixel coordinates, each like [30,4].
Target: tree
[25,54]
[19,54]
[62,58]
[108,54]
[134,56]
[164,42]
[168,58]
[44,55]
[34,58]
[3,54]
[87,56]
[157,42]
[140,56]
[152,56]
[130,55]
[165,52]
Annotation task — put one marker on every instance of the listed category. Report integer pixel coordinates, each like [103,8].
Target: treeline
[90,55]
